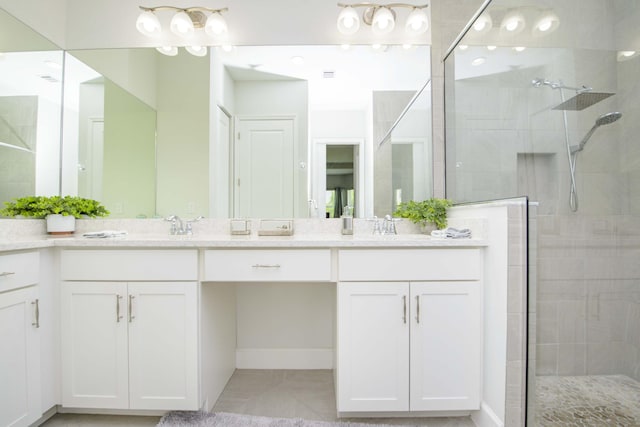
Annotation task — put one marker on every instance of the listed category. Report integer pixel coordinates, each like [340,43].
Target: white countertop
[16,234]
[229,241]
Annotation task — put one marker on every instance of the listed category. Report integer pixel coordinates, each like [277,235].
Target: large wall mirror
[268,131]
[30,111]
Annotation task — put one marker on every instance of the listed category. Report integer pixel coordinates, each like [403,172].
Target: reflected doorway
[337,177]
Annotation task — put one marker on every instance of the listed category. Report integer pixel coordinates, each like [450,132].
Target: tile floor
[279,393]
[587,401]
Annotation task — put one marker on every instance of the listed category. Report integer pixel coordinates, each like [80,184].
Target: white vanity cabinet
[129,329]
[19,335]
[413,343]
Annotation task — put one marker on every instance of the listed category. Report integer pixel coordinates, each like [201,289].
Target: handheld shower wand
[604,119]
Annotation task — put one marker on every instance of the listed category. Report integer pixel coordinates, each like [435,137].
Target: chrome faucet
[181,227]
[384,226]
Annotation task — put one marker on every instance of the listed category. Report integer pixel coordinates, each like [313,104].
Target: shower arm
[560,85]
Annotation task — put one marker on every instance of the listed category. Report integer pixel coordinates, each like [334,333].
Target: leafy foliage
[427,211]
[41,206]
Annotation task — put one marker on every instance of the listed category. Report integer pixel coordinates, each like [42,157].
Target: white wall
[49,17]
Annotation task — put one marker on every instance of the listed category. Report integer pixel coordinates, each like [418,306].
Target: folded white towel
[452,233]
[104,234]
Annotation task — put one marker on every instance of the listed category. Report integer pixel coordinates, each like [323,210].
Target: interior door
[220,175]
[264,168]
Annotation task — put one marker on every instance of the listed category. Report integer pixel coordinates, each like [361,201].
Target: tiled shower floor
[587,401]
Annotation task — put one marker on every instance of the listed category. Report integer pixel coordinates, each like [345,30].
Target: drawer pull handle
[7,273]
[265,266]
[404,309]
[417,308]
[36,305]
[131,316]
[118,316]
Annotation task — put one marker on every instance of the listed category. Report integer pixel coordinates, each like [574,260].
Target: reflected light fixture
[381,18]
[625,55]
[492,47]
[513,22]
[546,23]
[196,50]
[184,22]
[168,50]
[483,24]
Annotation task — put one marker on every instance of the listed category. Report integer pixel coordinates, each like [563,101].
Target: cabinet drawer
[251,265]
[18,270]
[134,264]
[409,264]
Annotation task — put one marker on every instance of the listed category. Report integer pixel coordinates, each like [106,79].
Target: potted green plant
[432,211]
[59,211]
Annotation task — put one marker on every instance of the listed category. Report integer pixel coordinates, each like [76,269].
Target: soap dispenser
[347,220]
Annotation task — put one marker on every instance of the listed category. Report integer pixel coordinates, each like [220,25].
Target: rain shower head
[582,100]
[604,119]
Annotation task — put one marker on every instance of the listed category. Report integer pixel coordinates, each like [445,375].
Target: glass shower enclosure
[543,100]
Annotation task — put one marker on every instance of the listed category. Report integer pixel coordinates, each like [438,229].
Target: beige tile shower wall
[588,316]
[516,315]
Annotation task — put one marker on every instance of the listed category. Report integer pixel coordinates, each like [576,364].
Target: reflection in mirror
[109,143]
[411,152]
[403,155]
[30,97]
[209,109]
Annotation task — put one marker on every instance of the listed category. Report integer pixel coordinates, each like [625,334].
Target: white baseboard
[485,417]
[284,358]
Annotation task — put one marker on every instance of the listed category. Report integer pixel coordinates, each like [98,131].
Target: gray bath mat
[223,419]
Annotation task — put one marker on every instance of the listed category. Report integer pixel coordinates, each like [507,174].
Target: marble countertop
[27,234]
[229,241]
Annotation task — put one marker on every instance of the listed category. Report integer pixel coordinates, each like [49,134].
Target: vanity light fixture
[197,50]
[513,22]
[184,22]
[625,55]
[546,23]
[519,49]
[381,18]
[492,47]
[483,24]
[168,50]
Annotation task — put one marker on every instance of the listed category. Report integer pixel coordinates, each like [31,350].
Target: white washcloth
[104,234]
[452,233]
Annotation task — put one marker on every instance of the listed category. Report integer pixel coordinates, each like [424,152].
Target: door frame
[319,173]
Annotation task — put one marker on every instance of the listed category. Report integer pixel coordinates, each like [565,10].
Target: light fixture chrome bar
[393,126]
[183,9]
[368,4]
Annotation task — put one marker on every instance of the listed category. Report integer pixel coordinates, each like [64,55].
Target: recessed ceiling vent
[328,74]
[49,78]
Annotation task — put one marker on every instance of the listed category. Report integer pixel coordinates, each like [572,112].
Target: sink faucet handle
[177,226]
[188,227]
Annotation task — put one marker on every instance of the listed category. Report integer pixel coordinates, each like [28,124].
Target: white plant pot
[60,224]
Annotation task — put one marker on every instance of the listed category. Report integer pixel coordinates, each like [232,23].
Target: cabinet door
[163,345]
[94,345]
[19,359]
[373,346]
[446,339]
